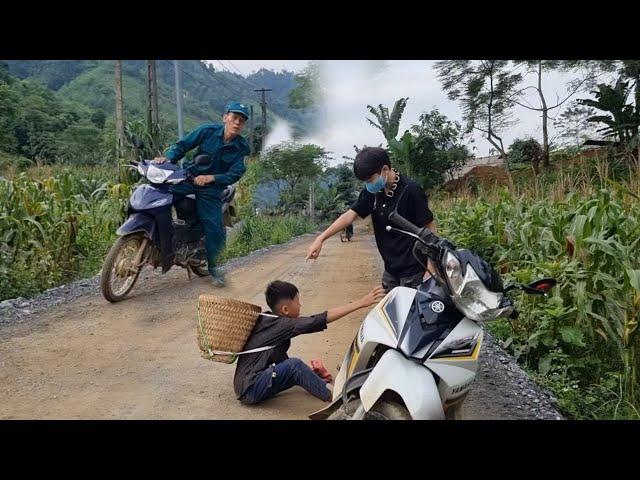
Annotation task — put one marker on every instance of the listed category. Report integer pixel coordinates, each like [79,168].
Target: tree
[526,150]
[388,124]
[418,158]
[484,89]
[307,92]
[444,132]
[345,182]
[621,118]
[631,70]
[427,151]
[454,159]
[538,68]
[573,125]
[8,111]
[120,137]
[448,138]
[328,203]
[293,163]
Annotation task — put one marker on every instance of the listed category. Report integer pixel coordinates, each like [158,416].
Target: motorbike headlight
[476,301]
[453,271]
[157,175]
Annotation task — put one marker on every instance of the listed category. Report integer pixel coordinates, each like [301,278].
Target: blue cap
[238,107]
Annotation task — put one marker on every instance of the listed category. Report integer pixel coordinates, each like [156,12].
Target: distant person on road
[347,233]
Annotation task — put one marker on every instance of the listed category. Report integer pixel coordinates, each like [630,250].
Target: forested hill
[68,106]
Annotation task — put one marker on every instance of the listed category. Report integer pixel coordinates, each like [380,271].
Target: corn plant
[588,237]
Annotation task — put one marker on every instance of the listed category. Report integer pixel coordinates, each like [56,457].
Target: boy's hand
[159,160]
[373,297]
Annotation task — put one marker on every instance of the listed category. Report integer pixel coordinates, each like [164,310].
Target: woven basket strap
[235,354]
[254,350]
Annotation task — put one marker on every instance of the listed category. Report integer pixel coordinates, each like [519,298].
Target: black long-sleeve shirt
[268,331]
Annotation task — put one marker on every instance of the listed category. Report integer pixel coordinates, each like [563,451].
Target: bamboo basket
[224,325]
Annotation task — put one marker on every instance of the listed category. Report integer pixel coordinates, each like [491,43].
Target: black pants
[389,282]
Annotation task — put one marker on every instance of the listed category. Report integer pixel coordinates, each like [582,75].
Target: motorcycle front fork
[359,413]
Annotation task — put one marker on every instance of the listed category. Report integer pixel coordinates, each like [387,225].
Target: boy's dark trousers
[289,373]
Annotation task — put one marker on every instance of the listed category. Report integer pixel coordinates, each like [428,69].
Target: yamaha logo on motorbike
[437,306]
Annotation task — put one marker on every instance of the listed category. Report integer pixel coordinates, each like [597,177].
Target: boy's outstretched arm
[373,297]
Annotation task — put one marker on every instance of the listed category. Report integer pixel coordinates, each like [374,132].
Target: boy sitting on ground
[262,375]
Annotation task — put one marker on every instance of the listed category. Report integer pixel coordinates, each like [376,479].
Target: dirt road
[138,359]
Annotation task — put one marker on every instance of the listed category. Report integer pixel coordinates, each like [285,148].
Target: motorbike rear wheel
[119,274]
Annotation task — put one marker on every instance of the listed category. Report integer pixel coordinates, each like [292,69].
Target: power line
[245,80]
[223,66]
[231,63]
[200,82]
[219,80]
[242,77]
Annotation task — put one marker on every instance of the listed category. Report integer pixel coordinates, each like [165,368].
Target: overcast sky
[351,85]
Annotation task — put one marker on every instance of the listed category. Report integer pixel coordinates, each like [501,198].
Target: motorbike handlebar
[403,223]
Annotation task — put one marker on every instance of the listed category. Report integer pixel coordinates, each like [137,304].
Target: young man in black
[261,375]
[385,190]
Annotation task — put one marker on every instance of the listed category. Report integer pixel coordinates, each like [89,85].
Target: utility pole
[178,99]
[312,199]
[120,140]
[152,112]
[251,132]
[264,112]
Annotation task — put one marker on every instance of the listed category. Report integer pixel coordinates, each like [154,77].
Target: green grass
[260,232]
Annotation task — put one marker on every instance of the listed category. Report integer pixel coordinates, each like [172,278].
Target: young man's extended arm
[361,208]
[342,222]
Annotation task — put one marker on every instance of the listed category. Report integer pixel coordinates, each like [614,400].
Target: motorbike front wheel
[119,272]
[383,410]
[454,412]
[199,270]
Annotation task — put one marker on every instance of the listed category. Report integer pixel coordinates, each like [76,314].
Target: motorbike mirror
[137,142]
[543,285]
[202,159]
